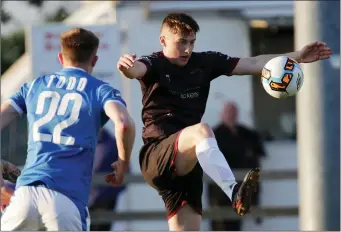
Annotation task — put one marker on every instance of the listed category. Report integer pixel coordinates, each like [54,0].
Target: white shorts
[39,208]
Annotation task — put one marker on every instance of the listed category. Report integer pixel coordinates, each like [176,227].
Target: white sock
[214,164]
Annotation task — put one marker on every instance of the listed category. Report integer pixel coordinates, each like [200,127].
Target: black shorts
[158,169]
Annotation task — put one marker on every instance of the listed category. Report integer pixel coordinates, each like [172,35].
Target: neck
[81,66]
[230,125]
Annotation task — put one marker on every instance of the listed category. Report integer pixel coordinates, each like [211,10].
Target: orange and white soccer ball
[282,77]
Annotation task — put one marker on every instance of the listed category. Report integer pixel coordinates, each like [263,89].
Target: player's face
[178,48]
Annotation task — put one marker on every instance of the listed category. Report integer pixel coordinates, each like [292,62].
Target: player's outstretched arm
[124,129]
[125,136]
[7,115]
[130,67]
[310,53]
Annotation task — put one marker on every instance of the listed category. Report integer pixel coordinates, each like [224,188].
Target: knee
[204,131]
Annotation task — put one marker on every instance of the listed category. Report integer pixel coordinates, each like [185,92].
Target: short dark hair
[181,23]
[79,44]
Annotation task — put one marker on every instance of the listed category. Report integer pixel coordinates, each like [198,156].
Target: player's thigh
[186,219]
[184,190]
[189,138]
[157,162]
[59,213]
[21,213]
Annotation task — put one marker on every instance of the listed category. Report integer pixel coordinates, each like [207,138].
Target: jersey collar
[72,67]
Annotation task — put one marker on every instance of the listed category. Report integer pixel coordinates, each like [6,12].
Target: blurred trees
[5,17]
[13,45]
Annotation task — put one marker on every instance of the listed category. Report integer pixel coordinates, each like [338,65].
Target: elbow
[125,125]
[130,124]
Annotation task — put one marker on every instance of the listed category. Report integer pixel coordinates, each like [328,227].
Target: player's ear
[162,41]
[94,61]
[60,58]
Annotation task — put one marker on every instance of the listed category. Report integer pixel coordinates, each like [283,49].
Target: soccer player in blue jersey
[65,111]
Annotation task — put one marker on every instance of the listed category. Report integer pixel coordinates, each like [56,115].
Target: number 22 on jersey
[56,109]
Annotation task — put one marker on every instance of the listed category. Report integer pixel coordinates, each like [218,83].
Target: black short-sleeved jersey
[175,97]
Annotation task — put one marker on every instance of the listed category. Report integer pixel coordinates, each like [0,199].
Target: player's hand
[6,194]
[117,176]
[314,52]
[125,62]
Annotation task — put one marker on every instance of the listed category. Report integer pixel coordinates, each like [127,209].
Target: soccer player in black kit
[178,147]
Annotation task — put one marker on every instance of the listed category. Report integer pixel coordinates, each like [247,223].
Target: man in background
[104,197]
[242,147]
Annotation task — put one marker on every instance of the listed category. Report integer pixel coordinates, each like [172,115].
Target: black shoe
[243,191]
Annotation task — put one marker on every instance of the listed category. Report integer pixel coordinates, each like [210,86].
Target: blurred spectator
[104,197]
[242,147]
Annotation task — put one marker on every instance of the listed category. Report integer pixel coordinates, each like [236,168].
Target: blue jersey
[65,111]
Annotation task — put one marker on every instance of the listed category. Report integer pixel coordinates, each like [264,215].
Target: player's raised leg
[198,143]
